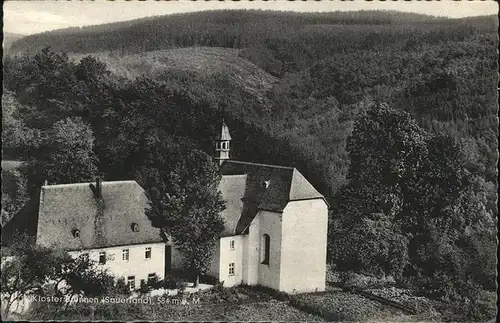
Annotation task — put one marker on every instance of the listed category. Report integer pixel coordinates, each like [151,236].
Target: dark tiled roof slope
[224,134]
[250,187]
[232,188]
[68,207]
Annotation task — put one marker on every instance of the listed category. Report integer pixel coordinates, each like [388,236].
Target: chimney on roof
[46,182]
[98,187]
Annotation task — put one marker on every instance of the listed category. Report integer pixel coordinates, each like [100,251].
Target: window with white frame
[231,269]
[125,254]
[102,258]
[131,282]
[147,253]
[231,244]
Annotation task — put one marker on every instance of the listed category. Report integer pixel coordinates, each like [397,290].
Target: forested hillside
[292,88]
[329,66]
[9,38]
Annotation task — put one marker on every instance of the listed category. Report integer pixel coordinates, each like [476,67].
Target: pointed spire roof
[224,133]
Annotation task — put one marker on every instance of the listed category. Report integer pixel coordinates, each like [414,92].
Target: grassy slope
[206,61]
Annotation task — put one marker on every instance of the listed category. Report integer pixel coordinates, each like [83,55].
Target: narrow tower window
[264,249]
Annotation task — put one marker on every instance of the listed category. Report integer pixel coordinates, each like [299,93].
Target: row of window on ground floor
[103,258]
[131,280]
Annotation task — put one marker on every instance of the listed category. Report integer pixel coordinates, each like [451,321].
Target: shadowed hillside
[9,38]
[295,82]
[235,29]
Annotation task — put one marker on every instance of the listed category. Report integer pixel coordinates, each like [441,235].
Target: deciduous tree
[66,154]
[186,203]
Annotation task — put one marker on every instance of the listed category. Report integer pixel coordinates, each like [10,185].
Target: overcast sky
[30,17]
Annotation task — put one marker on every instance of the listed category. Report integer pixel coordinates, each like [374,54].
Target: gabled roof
[233,192]
[224,133]
[68,207]
[250,187]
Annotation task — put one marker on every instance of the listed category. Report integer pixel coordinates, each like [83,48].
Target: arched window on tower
[265,247]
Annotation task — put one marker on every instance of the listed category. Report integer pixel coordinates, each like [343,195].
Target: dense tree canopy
[410,201]
[65,155]
[185,201]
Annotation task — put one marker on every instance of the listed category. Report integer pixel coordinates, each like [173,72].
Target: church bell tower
[222,141]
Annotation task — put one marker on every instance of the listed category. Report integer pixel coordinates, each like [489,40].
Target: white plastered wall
[303,248]
[137,264]
[227,256]
[269,274]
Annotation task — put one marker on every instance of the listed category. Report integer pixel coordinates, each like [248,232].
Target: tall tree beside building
[65,156]
[418,206]
[182,185]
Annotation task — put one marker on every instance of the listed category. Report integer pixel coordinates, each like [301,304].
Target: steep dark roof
[224,133]
[68,207]
[250,187]
[233,191]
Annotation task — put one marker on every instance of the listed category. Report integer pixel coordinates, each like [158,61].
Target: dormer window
[135,227]
[75,233]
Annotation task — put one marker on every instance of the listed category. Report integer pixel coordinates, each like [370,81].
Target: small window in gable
[147,253]
[75,233]
[231,244]
[135,227]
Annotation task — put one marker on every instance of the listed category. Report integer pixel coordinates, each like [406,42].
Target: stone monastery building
[275,227]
